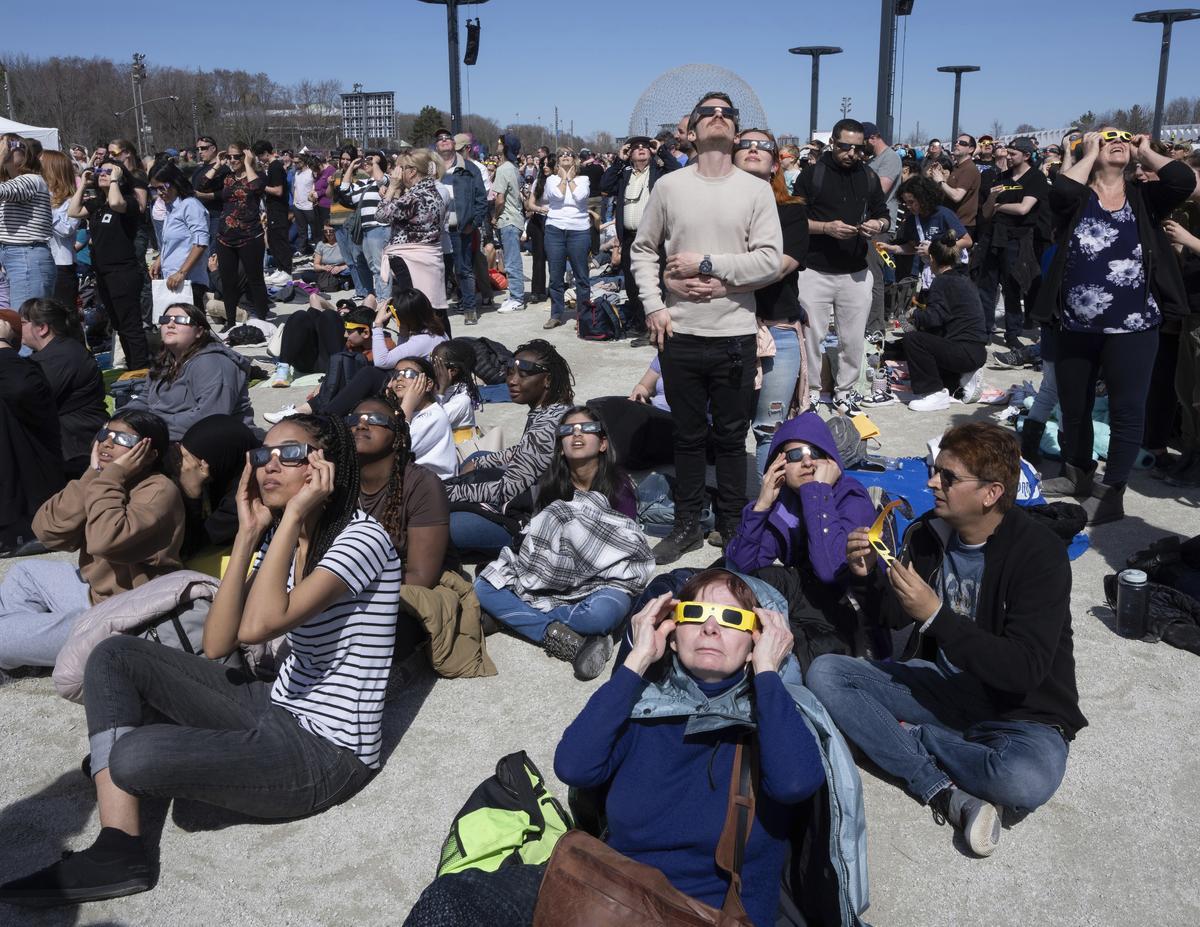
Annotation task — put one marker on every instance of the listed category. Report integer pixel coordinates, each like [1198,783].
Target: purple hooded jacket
[812,522]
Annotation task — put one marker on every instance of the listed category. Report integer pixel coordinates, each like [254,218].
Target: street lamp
[452,42]
[816,51]
[889,11]
[847,104]
[958,70]
[141,116]
[145,103]
[1168,18]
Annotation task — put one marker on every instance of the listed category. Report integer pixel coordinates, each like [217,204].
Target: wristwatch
[706,265]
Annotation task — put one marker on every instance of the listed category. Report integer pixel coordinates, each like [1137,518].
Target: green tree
[1139,119]
[428,121]
[1086,120]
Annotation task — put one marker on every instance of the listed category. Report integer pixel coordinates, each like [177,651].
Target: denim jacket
[677,694]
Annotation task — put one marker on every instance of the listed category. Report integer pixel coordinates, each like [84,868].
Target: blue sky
[594,60]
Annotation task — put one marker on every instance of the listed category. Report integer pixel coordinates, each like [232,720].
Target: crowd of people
[760,275]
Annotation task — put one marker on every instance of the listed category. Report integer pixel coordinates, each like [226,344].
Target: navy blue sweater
[668,793]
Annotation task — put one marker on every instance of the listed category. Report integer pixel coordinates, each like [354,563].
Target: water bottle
[1133,603]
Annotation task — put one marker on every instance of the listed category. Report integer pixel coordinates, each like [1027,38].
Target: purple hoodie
[812,522]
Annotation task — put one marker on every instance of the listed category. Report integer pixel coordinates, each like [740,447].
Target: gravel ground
[1111,848]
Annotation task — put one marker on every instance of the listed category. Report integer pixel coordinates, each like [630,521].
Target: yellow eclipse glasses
[875,535]
[884,256]
[1115,135]
[739,619]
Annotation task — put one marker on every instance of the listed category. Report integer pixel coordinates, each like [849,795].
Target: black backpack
[491,359]
[601,321]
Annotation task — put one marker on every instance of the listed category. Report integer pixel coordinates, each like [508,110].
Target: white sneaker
[511,305]
[972,386]
[933,402]
[276,417]
[282,378]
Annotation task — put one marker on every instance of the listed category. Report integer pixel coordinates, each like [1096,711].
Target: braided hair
[332,436]
[562,381]
[401,458]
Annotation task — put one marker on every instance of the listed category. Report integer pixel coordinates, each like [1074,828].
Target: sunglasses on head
[804,452]
[875,534]
[748,144]
[381,419]
[121,438]
[178,320]
[729,112]
[850,146]
[727,616]
[580,428]
[525,368]
[1116,135]
[290,455]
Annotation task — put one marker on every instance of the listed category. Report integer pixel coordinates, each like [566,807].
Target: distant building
[368,115]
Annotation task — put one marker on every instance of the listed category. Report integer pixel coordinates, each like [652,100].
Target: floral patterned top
[416,215]
[241,201]
[1105,281]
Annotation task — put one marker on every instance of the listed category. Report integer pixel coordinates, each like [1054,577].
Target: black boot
[1105,504]
[684,537]
[1073,482]
[1031,441]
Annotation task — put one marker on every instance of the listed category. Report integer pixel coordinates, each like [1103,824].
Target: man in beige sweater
[718,230]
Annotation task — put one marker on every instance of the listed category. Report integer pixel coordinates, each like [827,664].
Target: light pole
[816,51]
[847,103]
[452,43]
[140,114]
[885,92]
[1168,18]
[138,75]
[958,70]
[7,90]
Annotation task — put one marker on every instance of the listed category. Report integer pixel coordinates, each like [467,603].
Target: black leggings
[249,257]
[1127,360]
[310,338]
[120,291]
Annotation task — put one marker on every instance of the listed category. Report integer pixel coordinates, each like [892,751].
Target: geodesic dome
[674,93]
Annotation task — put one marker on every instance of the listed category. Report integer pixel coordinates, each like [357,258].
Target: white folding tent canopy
[48,137]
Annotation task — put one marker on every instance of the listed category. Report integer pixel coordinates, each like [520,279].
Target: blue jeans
[472,532]
[352,254]
[374,241]
[956,738]
[31,272]
[779,376]
[464,269]
[563,245]
[40,601]
[510,238]
[596,614]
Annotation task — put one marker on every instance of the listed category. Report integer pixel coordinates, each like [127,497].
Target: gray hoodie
[212,382]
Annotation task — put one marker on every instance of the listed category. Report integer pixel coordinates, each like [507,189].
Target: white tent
[48,137]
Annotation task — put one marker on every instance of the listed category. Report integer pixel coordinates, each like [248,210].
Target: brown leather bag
[589,884]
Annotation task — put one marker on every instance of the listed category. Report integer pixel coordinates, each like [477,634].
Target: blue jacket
[810,524]
[470,195]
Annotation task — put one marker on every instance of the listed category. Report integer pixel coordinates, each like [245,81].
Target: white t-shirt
[433,441]
[568,210]
[459,407]
[301,187]
[335,677]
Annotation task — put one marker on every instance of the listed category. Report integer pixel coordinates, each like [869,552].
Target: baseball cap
[1024,144]
[461,141]
[585,152]
[636,140]
[869,129]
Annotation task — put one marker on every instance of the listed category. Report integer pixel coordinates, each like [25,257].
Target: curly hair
[332,436]
[927,194]
[562,381]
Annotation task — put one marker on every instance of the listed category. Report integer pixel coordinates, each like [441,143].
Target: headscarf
[222,442]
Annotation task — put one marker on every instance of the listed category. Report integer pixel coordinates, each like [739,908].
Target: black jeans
[310,338]
[249,257]
[278,240]
[225,742]
[1127,360]
[704,376]
[934,362]
[537,244]
[635,312]
[120,291]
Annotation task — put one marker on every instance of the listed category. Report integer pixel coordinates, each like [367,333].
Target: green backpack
[508,820]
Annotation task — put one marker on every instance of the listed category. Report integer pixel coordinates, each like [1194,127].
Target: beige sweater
[734,220]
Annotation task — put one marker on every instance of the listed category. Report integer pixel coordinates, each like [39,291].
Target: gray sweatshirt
[212,382]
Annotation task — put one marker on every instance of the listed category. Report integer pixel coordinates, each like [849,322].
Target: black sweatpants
[1127,360]
[934,362]
[250,259]
[310,338]
[120,291]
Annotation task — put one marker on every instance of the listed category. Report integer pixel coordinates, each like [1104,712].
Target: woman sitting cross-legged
[308,563]
[660,737]
[123,516]
[583,559]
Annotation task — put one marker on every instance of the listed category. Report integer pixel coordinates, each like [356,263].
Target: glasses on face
[803,452]
[580,428]
[525,368]
[405,373]
[963,143]
[949,478]
[753,144]
[443,138]
[160,188]
[205,147]
[727,616]
[290,455]
[1116,135]
[120,438]
[177,319]
[850,146]
[704,112]
[379,419]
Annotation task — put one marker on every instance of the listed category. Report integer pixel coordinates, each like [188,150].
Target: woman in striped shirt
[325,574]
[26,224]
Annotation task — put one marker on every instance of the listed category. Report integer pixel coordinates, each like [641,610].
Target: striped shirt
[335,676]
[25,214]
[365,195]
